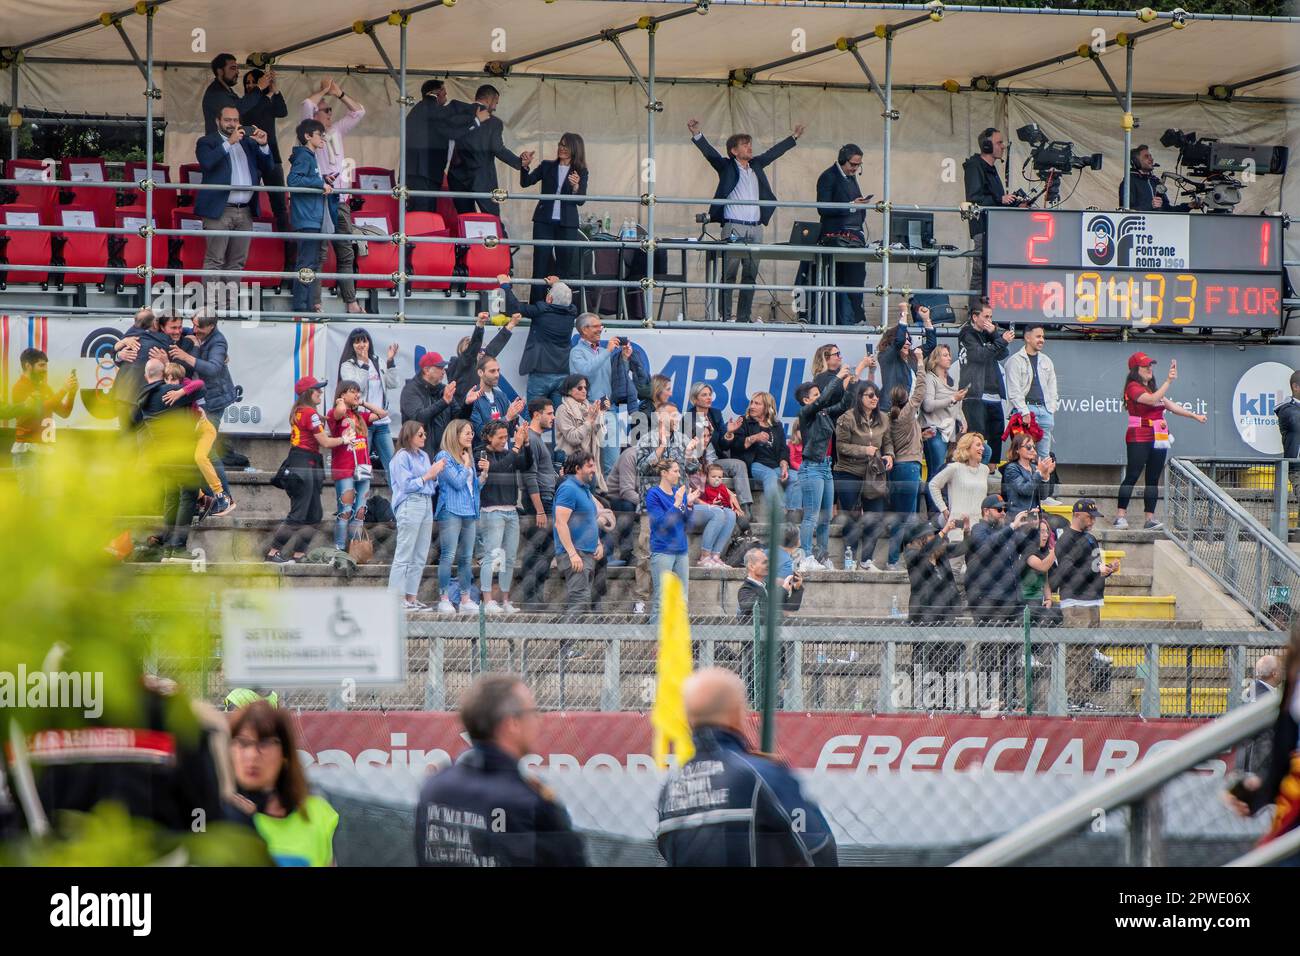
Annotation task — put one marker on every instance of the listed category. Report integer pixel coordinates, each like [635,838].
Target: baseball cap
[1140,360]
[1086,506]
[432,360]
[994,501]
[306,384]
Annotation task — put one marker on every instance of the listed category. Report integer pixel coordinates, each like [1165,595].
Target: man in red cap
[431,400]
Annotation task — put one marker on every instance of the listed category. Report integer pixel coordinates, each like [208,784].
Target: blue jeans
[818,489]
[456,539]
[546,384]
[414,535]
[381,440]
[904,489]
[347,524]
[936,453]
[500,529]
[770,478]
[308,258]
[678,564]
[1045,421]
[718,524]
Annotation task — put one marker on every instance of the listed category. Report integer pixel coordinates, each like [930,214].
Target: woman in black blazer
[565,175]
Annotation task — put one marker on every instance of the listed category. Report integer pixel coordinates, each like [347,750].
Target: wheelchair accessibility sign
[312,637]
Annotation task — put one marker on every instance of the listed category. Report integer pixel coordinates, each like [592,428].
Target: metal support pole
[13,105]
[130,48]
[636,74]
[403,104]
[1146,819]
[775,519]
[650,171]
[1128,119]
[884,236]
[148,147]
[388,64]
[1281,509]
[1029,667]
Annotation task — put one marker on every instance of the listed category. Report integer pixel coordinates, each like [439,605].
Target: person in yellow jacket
[272,794]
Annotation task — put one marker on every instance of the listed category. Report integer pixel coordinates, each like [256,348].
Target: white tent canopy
[730,35]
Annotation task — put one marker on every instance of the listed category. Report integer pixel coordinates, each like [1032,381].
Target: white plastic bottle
[894,611]
[849,563]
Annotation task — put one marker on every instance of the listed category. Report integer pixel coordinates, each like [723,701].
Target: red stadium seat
[265,254]
[189,173]
[24,248]
[90,169]
[432,259]
[482,262]
[381,256]
[132,217]
[88,250]
[44,198]
[164,200]
[376,177]
[192,248]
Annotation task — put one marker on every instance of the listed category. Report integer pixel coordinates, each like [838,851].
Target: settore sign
[313,637]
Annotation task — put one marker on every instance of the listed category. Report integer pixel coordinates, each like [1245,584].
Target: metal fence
[1222,538]
[607,664]
[1262,488]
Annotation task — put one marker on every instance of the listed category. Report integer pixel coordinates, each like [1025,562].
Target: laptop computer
[805,233]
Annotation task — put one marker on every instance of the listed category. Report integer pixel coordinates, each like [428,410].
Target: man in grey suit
[480,142]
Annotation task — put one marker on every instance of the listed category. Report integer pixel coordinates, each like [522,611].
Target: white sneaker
[468,607]
[1051,502]
[446,607]
[414,606]
[509,608]
[638,607]
[492,607]
[811,564]
[868,566]
[1120,523]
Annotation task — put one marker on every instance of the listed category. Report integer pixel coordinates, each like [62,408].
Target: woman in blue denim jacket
[457,515]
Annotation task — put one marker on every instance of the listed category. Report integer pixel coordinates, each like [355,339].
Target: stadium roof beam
[503,67]
[988,84]
[103,20]
[359,26]
[1226,91]
[383,55]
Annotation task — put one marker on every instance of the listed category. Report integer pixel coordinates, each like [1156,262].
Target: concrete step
[713,591]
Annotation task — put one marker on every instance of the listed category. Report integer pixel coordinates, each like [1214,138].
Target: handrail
[1262,538]
[1127,786]
[1271,852]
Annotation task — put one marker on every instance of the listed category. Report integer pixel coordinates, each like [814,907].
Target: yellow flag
[668,716]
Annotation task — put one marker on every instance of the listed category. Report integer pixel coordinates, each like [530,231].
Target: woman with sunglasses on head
[272,794]
[565,175]
[359,363]
[413,481]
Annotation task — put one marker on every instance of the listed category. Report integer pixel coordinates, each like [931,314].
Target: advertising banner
[1236,386]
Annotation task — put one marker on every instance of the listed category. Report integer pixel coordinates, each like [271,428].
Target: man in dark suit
[479,137]
[742,182]
[230,158]
[221,92]
[1255,754]
[1145,191]
[426,143]
[843,227]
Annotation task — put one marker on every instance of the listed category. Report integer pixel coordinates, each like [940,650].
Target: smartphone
[248,131]
[871,349]
[604,403]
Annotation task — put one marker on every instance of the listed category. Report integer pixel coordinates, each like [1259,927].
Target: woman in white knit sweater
[941,409]
[965,480]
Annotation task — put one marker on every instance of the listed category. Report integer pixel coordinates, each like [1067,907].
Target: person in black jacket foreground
[482,811]
[729,805]
[980,347]
[1280,784]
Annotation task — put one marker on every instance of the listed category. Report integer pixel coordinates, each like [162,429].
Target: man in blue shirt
[577,536]
[589,359]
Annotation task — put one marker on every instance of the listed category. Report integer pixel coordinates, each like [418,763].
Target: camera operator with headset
[984,188]
[1146,191]
[843,228]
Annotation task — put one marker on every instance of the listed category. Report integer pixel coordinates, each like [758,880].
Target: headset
[847,151]
[986,139]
